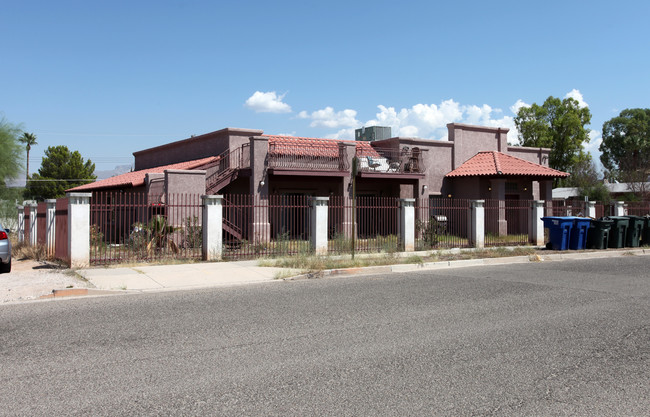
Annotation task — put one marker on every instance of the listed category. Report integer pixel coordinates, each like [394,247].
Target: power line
[63,180]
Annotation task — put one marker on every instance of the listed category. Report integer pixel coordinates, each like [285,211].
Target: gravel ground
[29,280]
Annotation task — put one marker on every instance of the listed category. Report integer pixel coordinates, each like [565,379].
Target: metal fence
[441,223]
[137,227]
[638,208]
[256,226]
[507,222]
[564,208]
[376,220]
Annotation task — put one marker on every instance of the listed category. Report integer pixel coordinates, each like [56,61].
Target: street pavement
[536,339]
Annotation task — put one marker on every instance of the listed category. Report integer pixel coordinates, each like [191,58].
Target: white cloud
[268,102]
[595,139]
[518,105]
[327,117]
[577,96]
[429,121]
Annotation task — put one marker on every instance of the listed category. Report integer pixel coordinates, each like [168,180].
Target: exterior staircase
[229,165]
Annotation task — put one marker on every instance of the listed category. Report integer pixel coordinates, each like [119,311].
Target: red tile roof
[136,178]
[301,146]
[492,163]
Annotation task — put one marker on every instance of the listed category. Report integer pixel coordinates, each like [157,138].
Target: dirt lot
[28,280]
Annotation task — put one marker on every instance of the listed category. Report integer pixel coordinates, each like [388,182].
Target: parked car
[5,250]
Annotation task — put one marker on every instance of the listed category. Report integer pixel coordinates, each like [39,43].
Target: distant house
[475,162]
[616,190]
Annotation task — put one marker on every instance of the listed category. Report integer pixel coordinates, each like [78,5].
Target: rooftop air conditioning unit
[372,133]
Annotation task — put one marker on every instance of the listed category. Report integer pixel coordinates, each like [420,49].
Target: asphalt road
[552,338]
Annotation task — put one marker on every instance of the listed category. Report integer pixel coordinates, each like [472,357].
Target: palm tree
[28,139]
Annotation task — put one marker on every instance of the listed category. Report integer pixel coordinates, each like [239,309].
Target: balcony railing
[325,157]
[378,160]
[227,163]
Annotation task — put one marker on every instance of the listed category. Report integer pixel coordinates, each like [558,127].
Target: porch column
[498,193]
[590,209]
[476,223]
[535,190]
[21,224]
[546,194]
[619,208]
[318,235]
[259,188]
[407,224]
[79,229]
[50,226]
[212,227]
[33,228]
[536,225]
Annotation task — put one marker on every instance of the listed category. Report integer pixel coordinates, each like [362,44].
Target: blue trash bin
[578,238]
[559,229]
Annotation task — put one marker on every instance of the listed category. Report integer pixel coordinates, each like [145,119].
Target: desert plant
[156,235]
[430,231]
[192,233]
[160,235]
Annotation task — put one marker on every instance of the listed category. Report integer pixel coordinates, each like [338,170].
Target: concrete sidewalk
[182,276]
[217,274]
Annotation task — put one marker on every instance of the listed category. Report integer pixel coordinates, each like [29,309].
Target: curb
[432,266]
[77,292]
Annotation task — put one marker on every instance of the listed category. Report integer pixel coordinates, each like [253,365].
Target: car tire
[5,268]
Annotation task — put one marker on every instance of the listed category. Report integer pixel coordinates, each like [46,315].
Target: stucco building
[475,162]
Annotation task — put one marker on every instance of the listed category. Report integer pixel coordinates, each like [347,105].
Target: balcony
[378,162]
[292,159]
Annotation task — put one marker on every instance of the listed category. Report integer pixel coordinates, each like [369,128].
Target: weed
[23,250]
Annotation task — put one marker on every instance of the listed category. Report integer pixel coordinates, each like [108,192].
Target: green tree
[29,139]
[626,148]
[585,177]
[59,171]
[559,125]
[11,152]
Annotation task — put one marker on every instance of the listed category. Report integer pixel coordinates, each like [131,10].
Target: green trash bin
[645,238]
[634,231]
[618,231]
[598,234]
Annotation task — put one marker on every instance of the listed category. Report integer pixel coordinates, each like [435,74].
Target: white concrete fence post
[619,208]
[407,224]
[79,229]
[21,224]
[212,223]
[319,220]
[590,209]
[476,223]
[33,224]
[50,226]
[536,225]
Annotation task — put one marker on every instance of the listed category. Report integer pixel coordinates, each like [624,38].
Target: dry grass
[319,263]
[25,251]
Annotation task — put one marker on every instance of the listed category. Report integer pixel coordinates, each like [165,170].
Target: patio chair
[373,164]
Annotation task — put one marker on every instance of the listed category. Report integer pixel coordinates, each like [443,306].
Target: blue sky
[110,78]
